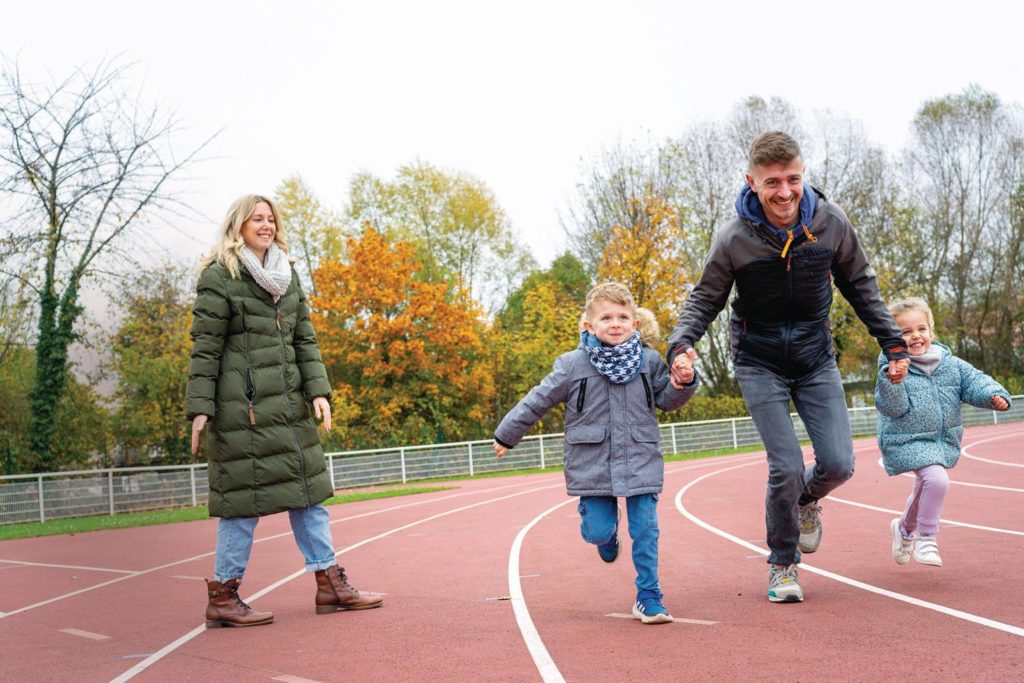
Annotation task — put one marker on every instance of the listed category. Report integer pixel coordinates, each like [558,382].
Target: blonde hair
[913,303]
[228,249]
[650,331]
[615,292]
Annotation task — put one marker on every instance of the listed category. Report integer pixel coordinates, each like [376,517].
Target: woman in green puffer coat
[255,382]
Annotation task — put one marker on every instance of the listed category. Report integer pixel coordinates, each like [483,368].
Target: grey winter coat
[612,442]
[919,419]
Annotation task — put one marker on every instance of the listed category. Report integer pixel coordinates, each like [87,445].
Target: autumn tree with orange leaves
[647,256]
[405,357]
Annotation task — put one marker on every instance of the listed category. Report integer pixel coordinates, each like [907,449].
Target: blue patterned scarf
[618,363]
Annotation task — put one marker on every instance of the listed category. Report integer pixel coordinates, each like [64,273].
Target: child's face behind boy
[610,322]
[915,331]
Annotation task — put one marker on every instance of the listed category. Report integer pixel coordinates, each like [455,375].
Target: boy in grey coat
[611,386]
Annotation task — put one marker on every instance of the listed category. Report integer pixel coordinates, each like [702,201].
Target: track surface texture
[491,581]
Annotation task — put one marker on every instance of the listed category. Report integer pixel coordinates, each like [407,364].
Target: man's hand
[322,407]
[499,449]
[999,403]
[898,370]
[682,371]
[198,422]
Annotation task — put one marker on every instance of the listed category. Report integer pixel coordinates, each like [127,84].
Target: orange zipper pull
[788,242]
[252,416]
[810,238]
[277,319]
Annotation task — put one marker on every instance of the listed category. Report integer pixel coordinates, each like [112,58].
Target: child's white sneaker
[927,552]
[902,545]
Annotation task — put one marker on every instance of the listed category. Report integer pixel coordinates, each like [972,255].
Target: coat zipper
[250,395]
[647,390]
[288,402]
[582,395]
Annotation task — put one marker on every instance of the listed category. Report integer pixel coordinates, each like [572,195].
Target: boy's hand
[682,368]
[999,403]
[499,449]
[898,370]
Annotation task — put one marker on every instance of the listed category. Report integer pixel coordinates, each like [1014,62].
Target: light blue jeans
[311,528]
[598,523]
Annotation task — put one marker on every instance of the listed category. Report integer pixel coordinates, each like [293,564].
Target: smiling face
[259,229]
[916,331]
[610,322]
[779,188]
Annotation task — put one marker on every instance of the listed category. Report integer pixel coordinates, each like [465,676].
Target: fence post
[192,483]
[110,488]
[330,468]
[672,429]
[543,465]
[470,445]
[735,441]
[42,510]
[401,454]
[995,417]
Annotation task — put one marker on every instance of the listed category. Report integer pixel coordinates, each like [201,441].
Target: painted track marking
[171,647]
[942,609]
[84,634]
[950,522]
[963,451]
[70,566]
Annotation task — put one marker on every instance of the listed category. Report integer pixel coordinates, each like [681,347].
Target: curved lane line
[910,475]
[950,522]
[942,609]
[963,451]
[546,666]
[167,649]
[132,575]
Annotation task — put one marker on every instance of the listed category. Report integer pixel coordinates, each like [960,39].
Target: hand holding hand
[499,449]
[999,403]
[682,370]
[198,422]
[322,407]
[898,370]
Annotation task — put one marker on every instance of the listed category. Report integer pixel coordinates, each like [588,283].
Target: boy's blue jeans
[311,528]
[598,517]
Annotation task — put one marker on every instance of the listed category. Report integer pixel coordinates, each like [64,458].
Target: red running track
[128,604]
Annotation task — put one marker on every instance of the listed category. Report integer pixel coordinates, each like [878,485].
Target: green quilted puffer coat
[255,370]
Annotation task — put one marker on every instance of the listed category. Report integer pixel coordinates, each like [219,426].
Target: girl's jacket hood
[748,207]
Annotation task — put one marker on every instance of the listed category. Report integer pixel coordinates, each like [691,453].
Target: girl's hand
[198,422]
[898,370]
[499,449]
[322,407]
[999,403]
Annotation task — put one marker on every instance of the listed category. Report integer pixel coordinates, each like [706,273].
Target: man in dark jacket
[783,251]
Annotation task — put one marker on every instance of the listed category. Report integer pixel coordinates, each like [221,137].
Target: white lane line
[546,666]
[187,577]
[541,657]
[945,521]
[675,620]
[910,475]
[70,566]
[258,540]
[85,634]
[942,609]
[171,647]
[293,679]
[963,451]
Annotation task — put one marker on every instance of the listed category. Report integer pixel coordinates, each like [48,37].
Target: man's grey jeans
[821,404]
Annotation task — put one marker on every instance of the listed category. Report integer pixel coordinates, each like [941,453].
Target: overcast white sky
[515,93]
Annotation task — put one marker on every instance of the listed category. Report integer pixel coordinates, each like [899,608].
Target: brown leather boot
[334,593]
[227,609]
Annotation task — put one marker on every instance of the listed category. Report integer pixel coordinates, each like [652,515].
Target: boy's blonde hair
[650,331]
[913,303]
[615,292]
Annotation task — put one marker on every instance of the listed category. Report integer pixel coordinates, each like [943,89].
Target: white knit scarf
[274,274]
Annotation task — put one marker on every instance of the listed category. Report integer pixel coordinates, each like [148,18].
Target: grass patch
[125,520]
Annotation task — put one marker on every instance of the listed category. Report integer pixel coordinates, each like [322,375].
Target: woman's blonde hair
[913,303]
[650,331]
[228,249]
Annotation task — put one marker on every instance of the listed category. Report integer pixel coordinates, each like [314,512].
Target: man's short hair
[773,148]
[616,292]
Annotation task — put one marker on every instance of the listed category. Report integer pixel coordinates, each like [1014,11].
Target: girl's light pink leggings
[925,502]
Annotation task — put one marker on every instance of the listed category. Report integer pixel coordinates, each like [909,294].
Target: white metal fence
[55,495]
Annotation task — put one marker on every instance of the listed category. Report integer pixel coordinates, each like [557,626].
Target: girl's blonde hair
[228,249]
[913,303]
[650,331]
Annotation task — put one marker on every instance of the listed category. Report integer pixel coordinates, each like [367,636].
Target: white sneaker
[810,527]
[783,584]
[927,552]
[902,545]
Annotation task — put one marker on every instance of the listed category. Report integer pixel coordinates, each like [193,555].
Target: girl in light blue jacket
[920,426]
